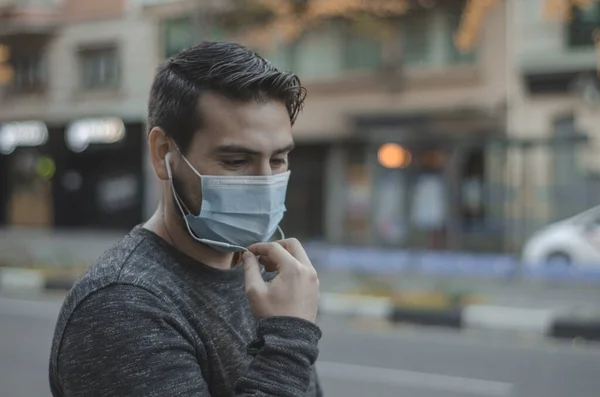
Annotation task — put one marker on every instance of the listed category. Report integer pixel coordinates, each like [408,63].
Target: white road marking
[418,380]
[508,318]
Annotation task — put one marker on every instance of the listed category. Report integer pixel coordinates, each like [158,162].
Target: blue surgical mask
[236,211]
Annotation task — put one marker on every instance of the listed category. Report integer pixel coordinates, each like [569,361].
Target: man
[181,306]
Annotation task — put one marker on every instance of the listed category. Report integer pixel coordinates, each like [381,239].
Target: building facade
[551,170]
[437,150]
[431,114]
[73,117]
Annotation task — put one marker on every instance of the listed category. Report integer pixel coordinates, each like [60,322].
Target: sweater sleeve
[124,341]
[285,352]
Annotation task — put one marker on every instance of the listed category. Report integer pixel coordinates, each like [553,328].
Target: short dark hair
[228,69]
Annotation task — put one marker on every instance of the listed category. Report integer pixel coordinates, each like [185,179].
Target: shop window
[428,204]
[99,68]
[584,25]
[99,183]
[358,186]
[30,197]
[389,209]
[26,175]
[472,209]
[358,204]
[429,198]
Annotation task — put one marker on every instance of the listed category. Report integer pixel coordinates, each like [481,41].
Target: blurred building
[73,118]
[392,143]
[552,165]
[407,143]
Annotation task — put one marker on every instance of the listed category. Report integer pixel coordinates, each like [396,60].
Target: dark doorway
[102,186]
[305,195]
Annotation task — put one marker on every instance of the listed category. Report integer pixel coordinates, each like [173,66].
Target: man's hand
[293,292]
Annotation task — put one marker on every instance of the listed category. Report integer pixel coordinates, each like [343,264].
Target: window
[361,52]
[328,53]
[580,32]
[29,73]
[314,55]
[281,56]
[428,38]
[416,40]
[178,34]
[451,22]
[100,68]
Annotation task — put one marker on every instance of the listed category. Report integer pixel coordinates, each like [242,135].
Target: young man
[181,306]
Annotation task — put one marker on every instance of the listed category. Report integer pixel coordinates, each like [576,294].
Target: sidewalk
[560,311]
[564,297]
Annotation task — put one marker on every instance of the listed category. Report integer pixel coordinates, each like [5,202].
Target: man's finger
[273,254]
[268,263]
[294,247]
[252,274]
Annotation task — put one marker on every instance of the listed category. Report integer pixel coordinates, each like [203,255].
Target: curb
[450,318]
[564,328]
[544,322]
[32,280]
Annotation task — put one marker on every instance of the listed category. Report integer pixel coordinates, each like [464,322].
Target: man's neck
[170,229]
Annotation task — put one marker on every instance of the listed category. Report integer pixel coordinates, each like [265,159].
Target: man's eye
[235,163]
[278,162]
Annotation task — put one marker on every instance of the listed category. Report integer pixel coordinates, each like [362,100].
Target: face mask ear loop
[190,165]
[178,200]
[176,196]
[281,232]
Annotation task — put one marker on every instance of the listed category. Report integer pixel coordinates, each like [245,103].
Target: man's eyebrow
[235,149]
[238,149]
[286,149]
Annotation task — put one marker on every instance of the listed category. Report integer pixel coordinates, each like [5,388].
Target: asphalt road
[359,359]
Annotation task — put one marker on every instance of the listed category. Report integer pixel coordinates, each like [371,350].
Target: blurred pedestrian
[181,306]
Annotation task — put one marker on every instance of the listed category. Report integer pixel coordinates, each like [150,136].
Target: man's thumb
[252,273]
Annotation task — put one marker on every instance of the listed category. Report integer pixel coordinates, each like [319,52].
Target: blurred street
[359,358]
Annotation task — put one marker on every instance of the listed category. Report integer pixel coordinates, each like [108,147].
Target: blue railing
[393,261]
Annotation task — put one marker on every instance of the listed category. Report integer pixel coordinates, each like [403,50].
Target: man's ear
[159,145]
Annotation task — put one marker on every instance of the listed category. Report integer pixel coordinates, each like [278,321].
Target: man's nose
[263,168]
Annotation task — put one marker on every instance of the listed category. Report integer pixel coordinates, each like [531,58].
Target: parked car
[571,242]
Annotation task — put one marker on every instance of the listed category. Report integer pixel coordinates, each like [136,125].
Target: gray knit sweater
[146,320]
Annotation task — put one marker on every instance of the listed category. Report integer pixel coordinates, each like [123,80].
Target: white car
[574,241]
